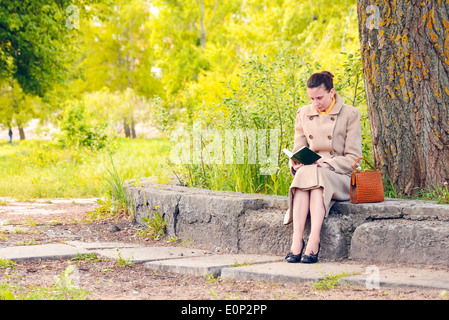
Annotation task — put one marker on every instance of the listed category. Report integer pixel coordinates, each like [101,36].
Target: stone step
[244,267]
[211,264]
[40,252]
[233,222]
[402,241]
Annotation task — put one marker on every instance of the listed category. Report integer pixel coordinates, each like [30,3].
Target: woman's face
[321,99]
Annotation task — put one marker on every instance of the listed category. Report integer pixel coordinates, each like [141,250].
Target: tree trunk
[203,31]
[21,133]
[405,57]
[133,129]
[126,128]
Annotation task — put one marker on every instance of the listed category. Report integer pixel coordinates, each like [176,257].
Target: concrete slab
[144,254]
[101,245]
[43,251]
[369,276]
[283,272]
[208,264]
[401,277]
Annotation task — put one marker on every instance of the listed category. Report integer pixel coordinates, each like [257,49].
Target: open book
[303,155]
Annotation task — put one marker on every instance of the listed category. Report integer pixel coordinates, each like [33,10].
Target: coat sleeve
[300,138]
[353,145]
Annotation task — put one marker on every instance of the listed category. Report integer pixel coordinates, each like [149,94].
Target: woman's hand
[294,165]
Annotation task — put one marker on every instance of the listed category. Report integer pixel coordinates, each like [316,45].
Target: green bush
[80,129]
[269,92]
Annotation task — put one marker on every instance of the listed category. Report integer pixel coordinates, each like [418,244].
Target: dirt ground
[56,222]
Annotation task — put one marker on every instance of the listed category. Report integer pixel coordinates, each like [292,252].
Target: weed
[121,262]
[31,242]
[155,226]
[20,231]
[107,210]
[214,294]
[438,193]
[116,190]
[6,263]
[62,288]
[244,263]
[329,281]
[210,278]
[3,235]
[31,222]
[86,257]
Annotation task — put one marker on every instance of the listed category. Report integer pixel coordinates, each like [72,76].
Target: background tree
[17,107]
[405,56]
[118,59]
[38,46]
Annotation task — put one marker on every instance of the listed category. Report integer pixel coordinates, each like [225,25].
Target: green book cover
[303,155]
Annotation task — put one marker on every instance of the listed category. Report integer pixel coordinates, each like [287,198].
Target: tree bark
[133,129]
[203,32]
[405,57]
[21,132]
[126,128]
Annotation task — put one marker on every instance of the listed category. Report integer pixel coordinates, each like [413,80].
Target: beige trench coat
[337,138]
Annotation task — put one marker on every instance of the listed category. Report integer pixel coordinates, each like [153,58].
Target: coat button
[332,118]
[329,137]
[310,137]
[331,153]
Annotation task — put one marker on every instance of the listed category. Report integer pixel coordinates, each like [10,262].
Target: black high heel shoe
[295,258]
[312,257]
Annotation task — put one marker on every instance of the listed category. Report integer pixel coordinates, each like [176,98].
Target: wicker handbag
[366,186]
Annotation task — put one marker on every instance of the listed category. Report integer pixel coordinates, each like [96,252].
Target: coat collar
[312,111]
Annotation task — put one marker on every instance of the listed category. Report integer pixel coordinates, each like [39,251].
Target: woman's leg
[317,211]
[300,212]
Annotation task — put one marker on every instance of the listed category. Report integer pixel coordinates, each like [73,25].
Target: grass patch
[155,226]
[42,169]
[6,263]
[62,288]
[329,281]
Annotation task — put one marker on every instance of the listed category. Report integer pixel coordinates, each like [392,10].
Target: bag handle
[357,160]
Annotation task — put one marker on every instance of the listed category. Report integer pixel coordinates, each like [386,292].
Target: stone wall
[403,231]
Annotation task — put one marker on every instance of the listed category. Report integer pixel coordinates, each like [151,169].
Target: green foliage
[30,169]
[266,97]
[329,281]
[122,262]
[88,257]
[438,193]
[36,46]
[155,226]
[116,190]
[62,288]
[42,154]
[80,129]
[6,263]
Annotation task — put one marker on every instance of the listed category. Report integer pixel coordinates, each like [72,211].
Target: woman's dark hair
[321,78]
